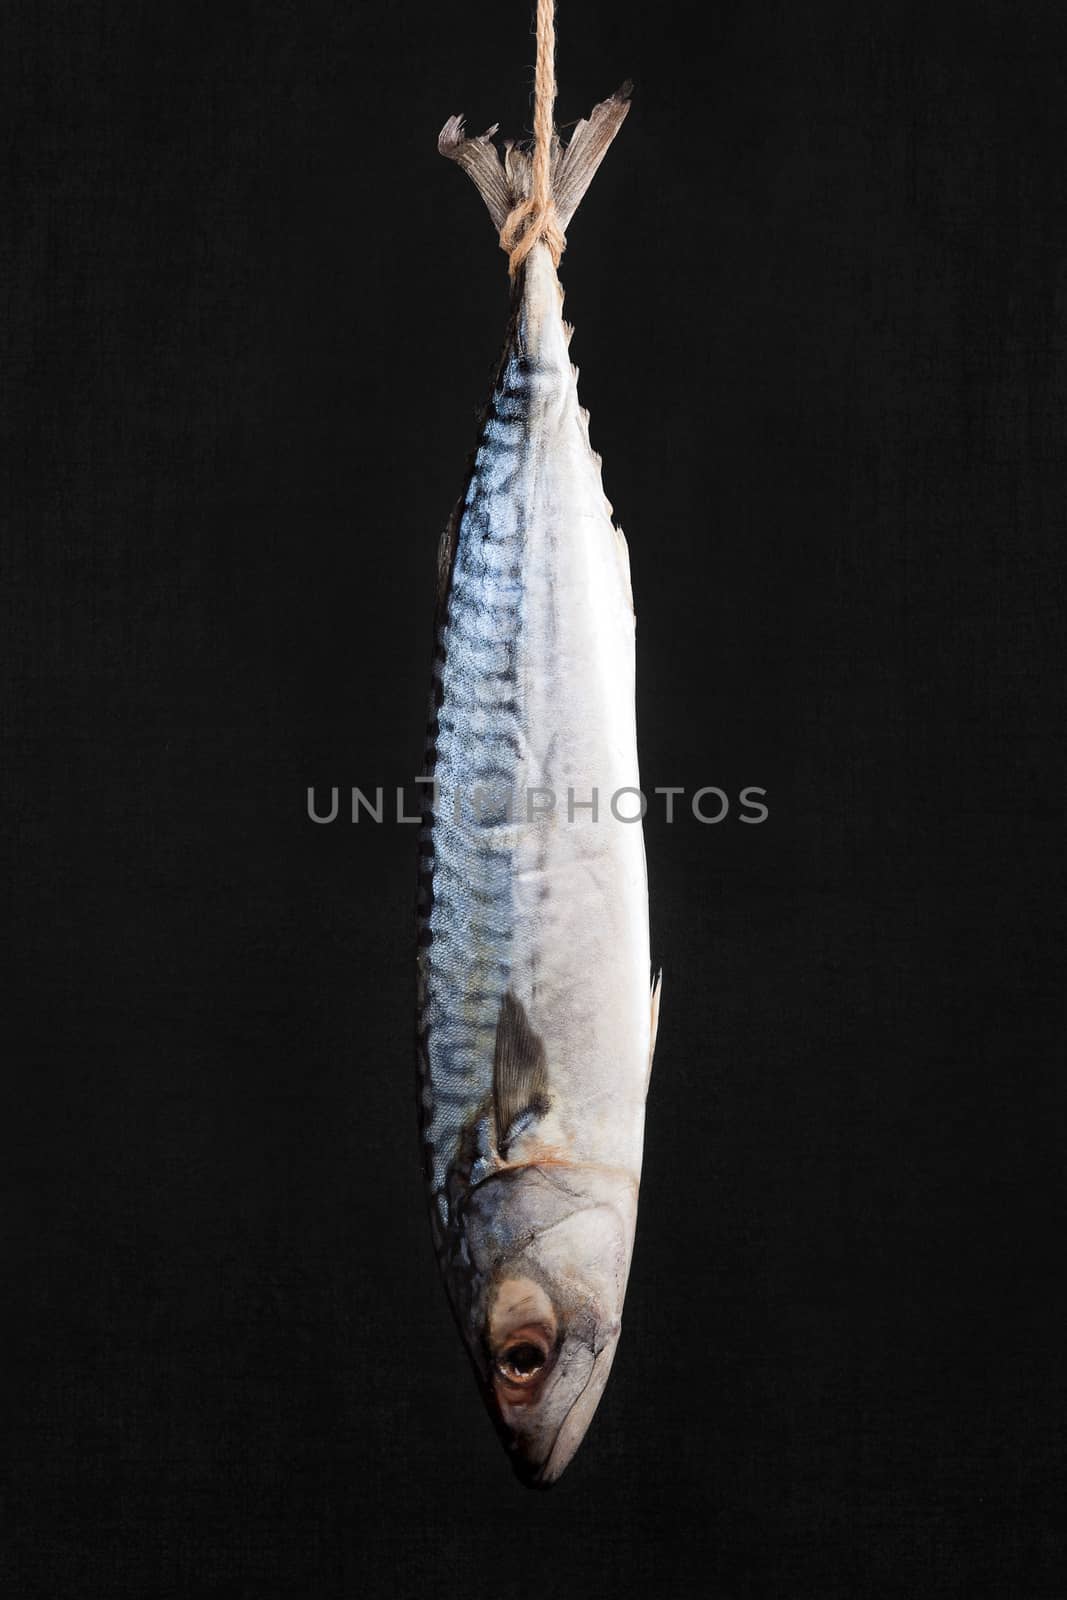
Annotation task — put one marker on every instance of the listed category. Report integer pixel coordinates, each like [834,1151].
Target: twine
[535,217]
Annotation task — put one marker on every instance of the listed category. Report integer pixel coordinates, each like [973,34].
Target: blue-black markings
[466,919]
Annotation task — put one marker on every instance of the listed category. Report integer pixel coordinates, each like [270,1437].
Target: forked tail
[508,186]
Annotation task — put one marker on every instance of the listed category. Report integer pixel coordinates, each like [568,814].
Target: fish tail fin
[503,184]
[576,166]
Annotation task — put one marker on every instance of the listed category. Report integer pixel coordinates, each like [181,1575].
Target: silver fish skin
[536,1021]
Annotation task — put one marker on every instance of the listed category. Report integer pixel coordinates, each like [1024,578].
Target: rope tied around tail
[535,217]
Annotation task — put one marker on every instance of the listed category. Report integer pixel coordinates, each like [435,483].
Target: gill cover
[539,1300]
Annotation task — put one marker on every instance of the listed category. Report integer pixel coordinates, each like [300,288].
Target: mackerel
[536,1020]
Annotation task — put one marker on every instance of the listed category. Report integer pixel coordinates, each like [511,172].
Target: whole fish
[536,1018]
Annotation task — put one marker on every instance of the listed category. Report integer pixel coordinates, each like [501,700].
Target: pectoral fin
[520,1082]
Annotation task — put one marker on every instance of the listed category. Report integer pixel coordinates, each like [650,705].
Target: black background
[819,288]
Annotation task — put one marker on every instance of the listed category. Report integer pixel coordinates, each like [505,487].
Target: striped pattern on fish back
[465,907]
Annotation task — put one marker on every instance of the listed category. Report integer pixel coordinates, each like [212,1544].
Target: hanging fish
[536,1019]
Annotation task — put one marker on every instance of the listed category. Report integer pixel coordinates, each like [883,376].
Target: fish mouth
[543,1472]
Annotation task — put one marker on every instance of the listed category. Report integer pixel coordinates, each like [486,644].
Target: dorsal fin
[502,184]
[520,1081]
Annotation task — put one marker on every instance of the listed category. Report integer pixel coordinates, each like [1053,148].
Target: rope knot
[528,222]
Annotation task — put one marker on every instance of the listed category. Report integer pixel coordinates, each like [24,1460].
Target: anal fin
[654,1005]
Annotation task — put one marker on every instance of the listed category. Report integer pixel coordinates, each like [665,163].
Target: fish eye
[522,1361]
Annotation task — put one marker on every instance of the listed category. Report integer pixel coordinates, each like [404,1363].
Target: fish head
[551,1254]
